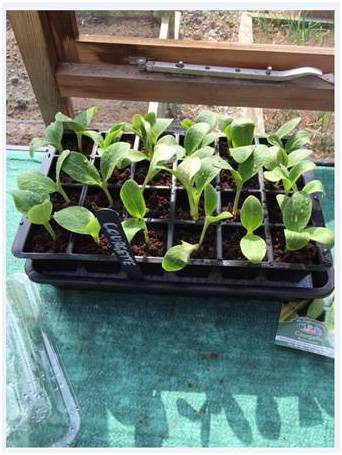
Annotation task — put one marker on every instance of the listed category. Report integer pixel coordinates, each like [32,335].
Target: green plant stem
[204,230]
[147,238]
[237,198]
[107,193]
[79,142]
[63,194]
[48,227]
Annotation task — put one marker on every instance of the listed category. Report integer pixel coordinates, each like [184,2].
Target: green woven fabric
[170,371]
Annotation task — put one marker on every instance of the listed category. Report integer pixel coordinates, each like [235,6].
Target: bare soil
[156,245]
[191,234]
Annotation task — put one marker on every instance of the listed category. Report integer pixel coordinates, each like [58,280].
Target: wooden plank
[64,31]
[40,59]
[128,83]
[246,36]
[108,49]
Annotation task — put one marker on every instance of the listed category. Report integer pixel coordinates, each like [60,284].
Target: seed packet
[308,325]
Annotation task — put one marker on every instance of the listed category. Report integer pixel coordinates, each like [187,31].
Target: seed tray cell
[219,268]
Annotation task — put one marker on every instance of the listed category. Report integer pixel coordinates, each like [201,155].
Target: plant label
[112,229]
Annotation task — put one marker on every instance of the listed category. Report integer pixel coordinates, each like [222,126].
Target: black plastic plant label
[112,229]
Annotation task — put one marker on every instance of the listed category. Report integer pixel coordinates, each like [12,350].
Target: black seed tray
[218,274]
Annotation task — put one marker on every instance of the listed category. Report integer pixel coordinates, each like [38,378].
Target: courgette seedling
[165,151]
[80,125]
[201,132]
[289,177]
[118,155]
[250,159]
[133,200]
[112,136]
[149,129]
[52,136]
[36,207]
[288,144]
[287,159]
[37,182]
[79,220]
[296,213]
[253,246]
[195,173]
[239,132]
[178,256]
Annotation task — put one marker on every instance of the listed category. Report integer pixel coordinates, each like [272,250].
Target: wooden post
[246,36]
[39,55]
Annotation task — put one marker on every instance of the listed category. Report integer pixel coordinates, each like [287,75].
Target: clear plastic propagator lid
[41,410]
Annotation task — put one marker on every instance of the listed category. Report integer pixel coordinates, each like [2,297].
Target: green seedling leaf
[321,235]
[204,152]
[132,226]
[253,247]
[330,318]
[24,200]
[59,164]
[36,144]
[251,214]
[36,207]
[315,309]
[54,135]
[288,127]
[112,135]
[194,137]
[298,141]
[36,182]
[297,156]
[160,125]
[280,199]
[241,154]
[253,164]
[314,186]
[273,157]
[164,153]
[297,171]
[275,175]
[80,169]
[187,169]
[115,155]
[167,139]
[210,138]
[177,257]
[296,240]
[296,211]
[186,123]
[206,116]
[95,136]
[220,217]
[223,121]
[84,118]
[40,213]
[210,168]
[274,140]
[241,132]
[79,220]
[210,200]
[133,199]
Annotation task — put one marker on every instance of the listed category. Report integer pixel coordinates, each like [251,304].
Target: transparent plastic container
[41,410]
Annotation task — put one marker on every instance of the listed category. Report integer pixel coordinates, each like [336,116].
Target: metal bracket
[267,74]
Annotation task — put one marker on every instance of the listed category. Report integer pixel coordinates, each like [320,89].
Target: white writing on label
[119,245]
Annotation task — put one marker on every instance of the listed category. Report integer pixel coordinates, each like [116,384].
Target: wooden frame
[63,64]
